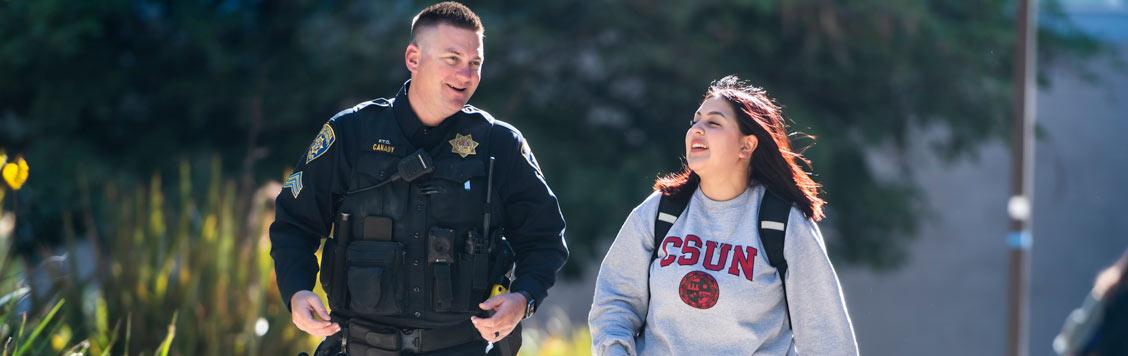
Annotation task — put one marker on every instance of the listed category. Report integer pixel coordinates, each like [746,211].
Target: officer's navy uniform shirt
[420,136]
[530,212]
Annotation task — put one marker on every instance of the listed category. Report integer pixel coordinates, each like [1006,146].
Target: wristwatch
[530,304]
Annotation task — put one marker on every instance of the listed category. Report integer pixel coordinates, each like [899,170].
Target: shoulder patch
[294,182]
[321,143]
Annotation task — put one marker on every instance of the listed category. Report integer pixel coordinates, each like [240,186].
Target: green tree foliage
[117,89]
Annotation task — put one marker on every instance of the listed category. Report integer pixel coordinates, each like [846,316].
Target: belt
[375,340]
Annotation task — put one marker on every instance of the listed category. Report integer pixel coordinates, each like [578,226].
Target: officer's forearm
[294,271]
[295,263]
[536,270]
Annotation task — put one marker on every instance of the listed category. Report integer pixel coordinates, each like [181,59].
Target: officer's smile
[457,89]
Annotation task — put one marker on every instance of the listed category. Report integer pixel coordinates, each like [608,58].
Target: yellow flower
[15,173]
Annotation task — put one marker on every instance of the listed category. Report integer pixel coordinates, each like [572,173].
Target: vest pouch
[472,283]
[459,192]
[389,200]
[375,283]
[440,259]
[473,275]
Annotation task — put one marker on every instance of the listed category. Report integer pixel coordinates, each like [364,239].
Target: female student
[708,288]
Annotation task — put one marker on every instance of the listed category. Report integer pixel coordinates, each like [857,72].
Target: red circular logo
[699,290]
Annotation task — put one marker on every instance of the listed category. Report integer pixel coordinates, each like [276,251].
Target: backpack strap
[670,208]
[774,212]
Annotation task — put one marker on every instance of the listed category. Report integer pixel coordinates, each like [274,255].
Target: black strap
[670,208]
[774,212]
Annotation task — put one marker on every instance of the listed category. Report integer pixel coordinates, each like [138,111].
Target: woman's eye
[713,123]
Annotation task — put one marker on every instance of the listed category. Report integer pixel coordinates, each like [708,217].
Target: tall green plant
[186,270]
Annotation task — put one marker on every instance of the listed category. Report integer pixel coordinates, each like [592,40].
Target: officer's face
[714,145]
[446,65]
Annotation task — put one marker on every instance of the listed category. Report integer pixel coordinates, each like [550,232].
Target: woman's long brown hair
[774,164]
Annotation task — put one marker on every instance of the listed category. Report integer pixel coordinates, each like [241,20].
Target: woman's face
[714,144]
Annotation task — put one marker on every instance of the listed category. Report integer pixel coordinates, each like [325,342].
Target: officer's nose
[466,73]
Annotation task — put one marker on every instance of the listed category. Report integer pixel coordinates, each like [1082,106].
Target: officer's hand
[509,309]
[303,306]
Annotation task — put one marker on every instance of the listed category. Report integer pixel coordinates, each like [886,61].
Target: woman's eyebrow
[718,113]
[711,113]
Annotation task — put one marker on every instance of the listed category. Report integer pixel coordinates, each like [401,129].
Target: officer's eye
[476,64]
[451,60]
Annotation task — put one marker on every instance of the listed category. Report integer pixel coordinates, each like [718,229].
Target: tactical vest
[410,253]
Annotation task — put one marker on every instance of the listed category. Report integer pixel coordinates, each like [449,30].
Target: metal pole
[1020,205]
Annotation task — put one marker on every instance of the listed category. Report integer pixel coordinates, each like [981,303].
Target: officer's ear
[411,57]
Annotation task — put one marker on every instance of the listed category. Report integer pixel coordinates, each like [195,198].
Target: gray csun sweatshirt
[712,291]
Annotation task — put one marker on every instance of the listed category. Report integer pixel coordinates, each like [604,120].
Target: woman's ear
[749,146]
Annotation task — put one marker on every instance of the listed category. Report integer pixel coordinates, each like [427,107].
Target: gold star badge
[463,145]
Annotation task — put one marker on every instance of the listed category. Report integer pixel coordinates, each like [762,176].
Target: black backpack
[774,211]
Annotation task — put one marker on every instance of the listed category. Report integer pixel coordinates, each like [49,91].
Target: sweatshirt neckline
[739,201]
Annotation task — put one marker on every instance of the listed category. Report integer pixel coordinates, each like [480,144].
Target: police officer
[419,198]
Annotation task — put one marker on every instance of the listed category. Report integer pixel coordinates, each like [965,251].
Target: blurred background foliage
[190,278]
[110,99]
